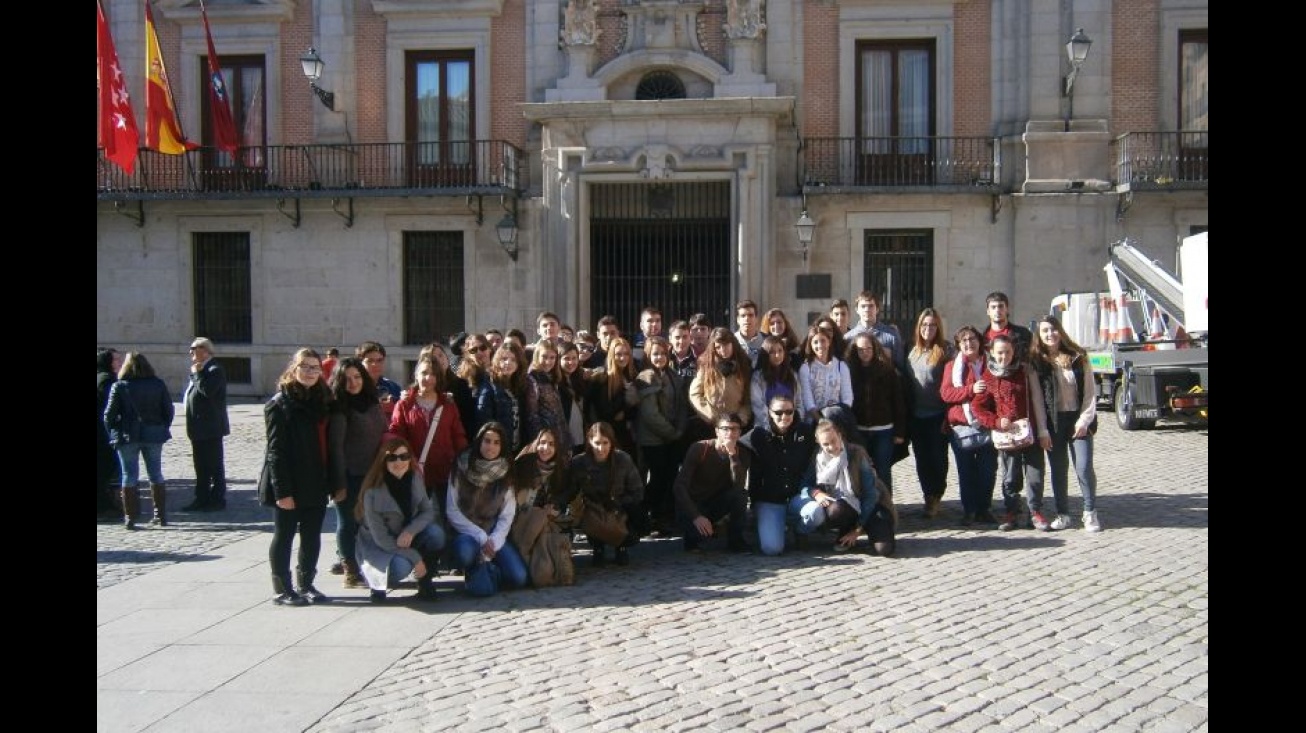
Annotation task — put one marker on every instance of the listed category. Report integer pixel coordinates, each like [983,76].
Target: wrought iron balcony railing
[927,162]
[279,171]
[1160,160]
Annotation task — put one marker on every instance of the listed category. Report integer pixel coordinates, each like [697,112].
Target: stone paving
[966,630]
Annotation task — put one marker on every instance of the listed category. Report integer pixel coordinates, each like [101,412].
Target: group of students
[675,435]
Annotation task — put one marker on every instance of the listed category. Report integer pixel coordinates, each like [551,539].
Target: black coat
[295,464]
[206,403]
[140,410]
[778,461]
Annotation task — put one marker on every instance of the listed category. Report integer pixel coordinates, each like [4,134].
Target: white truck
[1146,335]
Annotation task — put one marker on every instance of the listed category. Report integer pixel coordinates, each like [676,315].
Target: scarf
[832,471]
[482,472]
[401,490]
[725,367]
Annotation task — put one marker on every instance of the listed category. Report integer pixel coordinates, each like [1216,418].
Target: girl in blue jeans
[481,507]
[782,449]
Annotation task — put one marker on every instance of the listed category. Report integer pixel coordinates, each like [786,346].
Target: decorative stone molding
[580,25]
[744,19]
[254,11]
[397,9]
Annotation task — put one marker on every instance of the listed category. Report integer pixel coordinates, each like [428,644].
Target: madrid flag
[224,128]
[118,132]
[162,128]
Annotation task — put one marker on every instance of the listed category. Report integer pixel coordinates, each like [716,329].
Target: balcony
[317,171]
[939,164]
[1160,161]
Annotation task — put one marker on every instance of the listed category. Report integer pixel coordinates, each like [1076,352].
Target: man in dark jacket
[710,486]
[206,426]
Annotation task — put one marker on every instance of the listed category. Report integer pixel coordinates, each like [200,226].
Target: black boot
[599,560]
[159,495]
[285,596]
[131,506]
[304,586]
[426,587]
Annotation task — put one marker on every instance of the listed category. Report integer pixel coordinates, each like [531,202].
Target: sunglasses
[395,457]
[782,413]
[482,347]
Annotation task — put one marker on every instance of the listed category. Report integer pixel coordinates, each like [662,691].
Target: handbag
[971,438]
[1017,437]
[604,525]
[551,562]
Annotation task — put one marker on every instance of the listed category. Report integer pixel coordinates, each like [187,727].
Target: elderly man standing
[206,426]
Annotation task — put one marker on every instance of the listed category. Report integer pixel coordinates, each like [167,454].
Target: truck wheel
[1125,408]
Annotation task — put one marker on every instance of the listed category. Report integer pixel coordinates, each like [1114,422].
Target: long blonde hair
[936,349]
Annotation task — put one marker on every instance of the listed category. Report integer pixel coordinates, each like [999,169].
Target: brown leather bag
[604,525]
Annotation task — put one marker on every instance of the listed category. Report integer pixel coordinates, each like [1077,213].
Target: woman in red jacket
[424,403]
[973,451]
[1012,394]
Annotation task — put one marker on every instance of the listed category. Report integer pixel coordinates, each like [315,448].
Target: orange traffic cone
[1125,330]
[1104,322]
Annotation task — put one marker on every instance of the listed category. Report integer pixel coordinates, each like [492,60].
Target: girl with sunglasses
[399,525]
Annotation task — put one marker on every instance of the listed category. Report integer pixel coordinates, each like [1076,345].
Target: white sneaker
[1063,521]
[1091,523]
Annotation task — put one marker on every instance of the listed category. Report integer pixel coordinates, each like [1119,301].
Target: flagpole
[172,99]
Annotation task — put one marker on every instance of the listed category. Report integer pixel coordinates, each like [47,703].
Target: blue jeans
[879,445]
[347,525]
[1066,448]
[929,445]
[428,543]
[977,472]
[771,520]
[131,465]
[467,553]
[1022,469]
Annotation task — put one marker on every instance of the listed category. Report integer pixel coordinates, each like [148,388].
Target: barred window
[898,266]
[223,310]
[433,286]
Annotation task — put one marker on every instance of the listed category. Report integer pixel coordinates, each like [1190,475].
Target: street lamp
[806,229]
[507,230]
[313,67]
[1077,50]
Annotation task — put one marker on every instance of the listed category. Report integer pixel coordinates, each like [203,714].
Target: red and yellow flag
[117,123]
[162,128]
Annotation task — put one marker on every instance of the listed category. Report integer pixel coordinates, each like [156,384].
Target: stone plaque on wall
[815,285]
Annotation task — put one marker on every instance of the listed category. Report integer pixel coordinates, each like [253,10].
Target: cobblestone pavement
[966,630]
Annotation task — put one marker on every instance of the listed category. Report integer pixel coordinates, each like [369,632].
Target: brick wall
[1135,59]
[507,85]
[820,89]
[972,70]
[369,123]
[297,104]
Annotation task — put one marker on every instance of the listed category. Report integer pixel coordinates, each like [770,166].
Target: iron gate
[661,244]
[898,266]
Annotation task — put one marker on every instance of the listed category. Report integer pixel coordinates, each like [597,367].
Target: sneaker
[1009,522]
[1091,522]
[425,590]
[377,596]
[1063,521]
[840,548]
[338,568]
[290,598]
[313,595]
[1036,519]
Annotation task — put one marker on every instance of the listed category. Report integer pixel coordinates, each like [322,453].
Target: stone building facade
[648,151]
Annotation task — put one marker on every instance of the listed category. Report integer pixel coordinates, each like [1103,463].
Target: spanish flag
[162,128]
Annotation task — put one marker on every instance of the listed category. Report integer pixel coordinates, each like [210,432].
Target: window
[433,286]
[223,310]
[895,112]
[898,267]
[244,77]
[440,115]
[660,85]
[1192,105]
